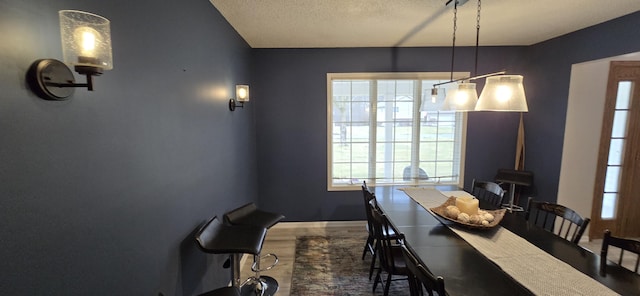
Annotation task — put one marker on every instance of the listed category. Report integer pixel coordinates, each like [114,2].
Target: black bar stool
[250,215]
[224,291]
[217,238]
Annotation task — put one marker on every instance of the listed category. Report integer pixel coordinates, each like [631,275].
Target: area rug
[334,266]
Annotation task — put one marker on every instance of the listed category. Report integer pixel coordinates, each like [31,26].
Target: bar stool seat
[217,238]
[249,214]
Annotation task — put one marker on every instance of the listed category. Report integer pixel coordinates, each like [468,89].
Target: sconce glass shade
[462,99]
[86,41]
[242,93]
[503,93]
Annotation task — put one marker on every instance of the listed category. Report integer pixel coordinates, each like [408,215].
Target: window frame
[420,76]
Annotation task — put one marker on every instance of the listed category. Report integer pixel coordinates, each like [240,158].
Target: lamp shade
[503,93]
[86,39]
[242,93]
[462,99]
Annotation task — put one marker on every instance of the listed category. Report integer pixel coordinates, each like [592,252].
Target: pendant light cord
[475,71]
[455,26]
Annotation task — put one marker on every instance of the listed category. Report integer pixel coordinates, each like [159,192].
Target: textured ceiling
[407,23]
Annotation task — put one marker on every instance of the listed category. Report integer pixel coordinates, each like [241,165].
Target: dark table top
[466,271]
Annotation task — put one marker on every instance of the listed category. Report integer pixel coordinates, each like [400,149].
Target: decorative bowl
[451,201]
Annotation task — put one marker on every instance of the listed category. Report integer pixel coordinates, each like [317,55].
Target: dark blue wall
[100,194]
[291,112]
[548,71]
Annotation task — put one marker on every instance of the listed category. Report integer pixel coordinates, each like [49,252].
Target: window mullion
[373,127]
[415,131]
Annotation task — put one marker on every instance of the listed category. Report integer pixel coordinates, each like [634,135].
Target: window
[384,128]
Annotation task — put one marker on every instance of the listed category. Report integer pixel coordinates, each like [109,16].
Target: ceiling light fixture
[465,96]
[500,93]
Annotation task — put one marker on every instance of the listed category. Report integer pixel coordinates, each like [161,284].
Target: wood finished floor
[281,240]
[628,260]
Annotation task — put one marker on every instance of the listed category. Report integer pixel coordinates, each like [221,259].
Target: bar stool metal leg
[257,284]
[235,269]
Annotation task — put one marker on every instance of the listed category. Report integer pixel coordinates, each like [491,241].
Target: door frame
[618,71]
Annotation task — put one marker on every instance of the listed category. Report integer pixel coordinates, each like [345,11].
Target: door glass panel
[619,124]
[615,151]
[624,93]
[608,205]
[612,179]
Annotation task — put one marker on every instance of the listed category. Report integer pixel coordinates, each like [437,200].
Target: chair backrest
[488,191]
[422,274]
[368,196]
[547,215]
[384,243]
[624,244]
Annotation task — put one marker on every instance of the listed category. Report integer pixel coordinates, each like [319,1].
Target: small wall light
[86,45]
[242,96]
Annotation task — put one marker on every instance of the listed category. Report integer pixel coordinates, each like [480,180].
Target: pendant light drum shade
[503,93]
[464,98]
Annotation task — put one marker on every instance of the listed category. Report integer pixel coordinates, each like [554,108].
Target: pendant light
[464,97]
[503,93]
[461,99]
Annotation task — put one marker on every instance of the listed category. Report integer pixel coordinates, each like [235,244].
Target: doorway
[616,193]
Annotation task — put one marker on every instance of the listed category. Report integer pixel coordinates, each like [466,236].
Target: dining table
[513,258]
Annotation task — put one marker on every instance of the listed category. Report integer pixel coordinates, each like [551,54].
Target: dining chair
[624,244]
[488,191]
[389,252]
[547,215]
[370,245]
[421,277]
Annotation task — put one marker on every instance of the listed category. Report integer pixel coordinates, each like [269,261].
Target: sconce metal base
[233,104]
[48,78]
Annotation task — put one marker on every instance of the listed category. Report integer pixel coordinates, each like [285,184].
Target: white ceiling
[408,23]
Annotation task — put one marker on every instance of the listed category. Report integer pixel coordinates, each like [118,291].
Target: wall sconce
[242,96]
[86,45]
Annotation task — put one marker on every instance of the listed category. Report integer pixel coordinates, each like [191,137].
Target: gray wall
[100,194]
